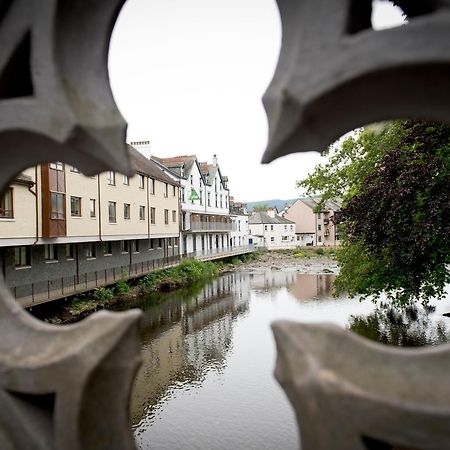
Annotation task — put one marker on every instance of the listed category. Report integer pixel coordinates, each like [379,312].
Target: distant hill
[274,203]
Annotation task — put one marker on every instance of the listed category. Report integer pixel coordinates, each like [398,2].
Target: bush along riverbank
[188,272]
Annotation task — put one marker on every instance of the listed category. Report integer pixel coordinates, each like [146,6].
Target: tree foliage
[396,213]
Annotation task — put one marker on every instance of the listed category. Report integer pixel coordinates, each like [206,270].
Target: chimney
[143,147]
[271,212]
[215,160]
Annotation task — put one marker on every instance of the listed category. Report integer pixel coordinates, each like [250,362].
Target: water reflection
[206,380]
[410,328]
[185,336]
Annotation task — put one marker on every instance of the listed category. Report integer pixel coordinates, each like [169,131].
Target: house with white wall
[206,223]
[240,217]
[272,231]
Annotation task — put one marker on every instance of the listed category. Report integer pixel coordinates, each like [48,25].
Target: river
[207,377]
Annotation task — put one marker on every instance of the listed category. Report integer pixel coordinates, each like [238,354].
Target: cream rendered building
[57,225]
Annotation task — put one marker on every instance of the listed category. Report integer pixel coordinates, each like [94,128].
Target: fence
[52,289]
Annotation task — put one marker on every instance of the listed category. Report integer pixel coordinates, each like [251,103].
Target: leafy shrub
[103,294]
[122,287]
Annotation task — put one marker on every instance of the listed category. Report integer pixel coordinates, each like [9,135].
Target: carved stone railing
[68,387]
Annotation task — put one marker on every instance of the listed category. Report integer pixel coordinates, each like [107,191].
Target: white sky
[188,75]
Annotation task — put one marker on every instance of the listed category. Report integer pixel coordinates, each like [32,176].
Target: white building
[239,217]
[272,231]
[206,223]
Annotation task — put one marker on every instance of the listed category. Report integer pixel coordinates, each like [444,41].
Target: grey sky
[188,75]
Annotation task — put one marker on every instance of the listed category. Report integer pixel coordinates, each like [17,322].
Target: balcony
[213,226]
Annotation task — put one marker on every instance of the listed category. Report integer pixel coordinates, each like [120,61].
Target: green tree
[396,212]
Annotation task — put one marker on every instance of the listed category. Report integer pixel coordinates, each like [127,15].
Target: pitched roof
[148,167]
[176,163]
[313,202]
[22,178]
[263,218]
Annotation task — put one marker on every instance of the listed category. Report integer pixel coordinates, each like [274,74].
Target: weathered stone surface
[62,387]
[346,389]
[335,73]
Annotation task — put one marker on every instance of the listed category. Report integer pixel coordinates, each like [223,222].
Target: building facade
[272,231]
[240,235]
[57,224]
[313,226]
[206,223]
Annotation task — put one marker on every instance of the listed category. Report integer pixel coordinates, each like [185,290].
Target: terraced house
[206,223]
[60,229]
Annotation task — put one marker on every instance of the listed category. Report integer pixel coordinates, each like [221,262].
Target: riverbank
[308,261]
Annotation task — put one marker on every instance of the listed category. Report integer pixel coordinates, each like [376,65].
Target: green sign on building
[194,195]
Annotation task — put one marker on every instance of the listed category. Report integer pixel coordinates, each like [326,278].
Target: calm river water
[207,382]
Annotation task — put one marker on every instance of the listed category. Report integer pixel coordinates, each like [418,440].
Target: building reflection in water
[190,332]
[302,286]
[183,338]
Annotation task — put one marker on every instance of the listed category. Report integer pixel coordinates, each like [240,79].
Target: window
[285,228]
[137,248]
[74,169]
[90,250]
[51,252]
[319,215]
[272,239]
[292,227]
[57,166]
[284,238]
[153,215]
[319,227]
[141,182]
[216,201]
[201,197]
[57,206]
[192,179]
[22,257]
[92,207]
[75,206]
[6,204]
[152,244]
[183,198]
[152,185]
[125,246]
[215,184]
[174,215]
[126,180]
[169,243]
[271,227]
[174,191]
[265,227]
[166,217]
[141,212]
[126,211]
[175,241]
[112,178]
[221,200]
[209,199]
[112,212]
[320,239]
[166,190]
[107,248]
[160,243]
[69,251]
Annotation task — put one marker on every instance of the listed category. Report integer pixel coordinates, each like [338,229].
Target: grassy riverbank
[187,273]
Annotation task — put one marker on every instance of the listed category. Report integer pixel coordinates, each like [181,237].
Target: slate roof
[176,163]
[263,218]
[24,179]
[148,167]
[312,202]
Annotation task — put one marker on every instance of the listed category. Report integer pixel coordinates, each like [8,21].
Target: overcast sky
[188,75]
